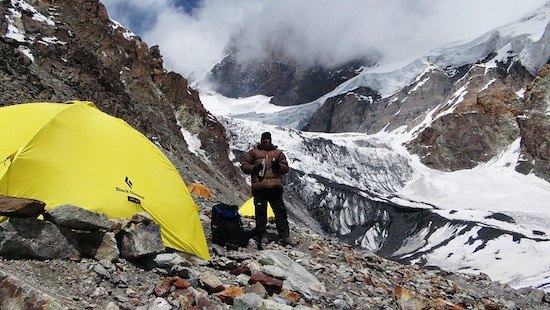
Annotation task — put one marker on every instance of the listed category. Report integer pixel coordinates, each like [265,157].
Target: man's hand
[257,168]
[275,164]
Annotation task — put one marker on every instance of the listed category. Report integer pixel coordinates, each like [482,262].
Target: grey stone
[160,304]
[108,249]
[168,260]
[99,245]
[248,301]
[33,238]
[273,305]
[211,282]
[274,271]
[101,271]
[78,218]
[341,304]
[298,278]
[141,240]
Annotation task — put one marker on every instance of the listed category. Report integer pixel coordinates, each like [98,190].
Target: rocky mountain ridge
[70,50]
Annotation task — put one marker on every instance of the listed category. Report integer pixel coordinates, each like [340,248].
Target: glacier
[368,190]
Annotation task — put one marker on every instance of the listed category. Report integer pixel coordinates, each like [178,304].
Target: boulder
[14,206]
[32,238]
[78,218]
[99,245]
[141,240]
[272,285]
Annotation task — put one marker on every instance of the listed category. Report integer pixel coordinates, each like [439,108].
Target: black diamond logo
[127,180]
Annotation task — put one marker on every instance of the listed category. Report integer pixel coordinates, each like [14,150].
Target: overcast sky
[192,34]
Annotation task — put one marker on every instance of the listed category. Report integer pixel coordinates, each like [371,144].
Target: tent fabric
[200,190]
[75,154]
[247,209]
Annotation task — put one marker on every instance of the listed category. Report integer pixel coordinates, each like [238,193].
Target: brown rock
[229,294]
[257,288]
[383,286]
[463,140]
[407,300]
[290,295]
[181,283]
[211,283]
[17,294]
[119,223]
[162,288]
[186,298]
[441,304]
[498,102]
[272,285]
[14,206]
[240,270]
[368,281]
[492,306]
[544,71]
[134,301]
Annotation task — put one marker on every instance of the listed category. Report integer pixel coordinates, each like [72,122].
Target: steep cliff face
[67,50]
[288,82]
[371,113]
[474,123]
[534,126]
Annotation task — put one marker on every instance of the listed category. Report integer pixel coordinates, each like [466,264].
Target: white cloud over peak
[311,31]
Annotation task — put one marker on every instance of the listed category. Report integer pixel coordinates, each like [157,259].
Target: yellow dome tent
[199,189]
[75,154]
[248,210]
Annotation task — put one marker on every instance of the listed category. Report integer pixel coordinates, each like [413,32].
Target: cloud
[311,31]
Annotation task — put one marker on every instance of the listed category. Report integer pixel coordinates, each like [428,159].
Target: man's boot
[287,241]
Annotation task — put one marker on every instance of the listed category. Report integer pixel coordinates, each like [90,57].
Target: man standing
[266,164]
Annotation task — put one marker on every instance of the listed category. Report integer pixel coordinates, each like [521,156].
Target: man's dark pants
[275,198]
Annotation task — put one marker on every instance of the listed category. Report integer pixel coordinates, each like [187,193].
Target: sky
[193,35]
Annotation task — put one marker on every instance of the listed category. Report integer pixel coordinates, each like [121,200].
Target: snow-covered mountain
[368,183]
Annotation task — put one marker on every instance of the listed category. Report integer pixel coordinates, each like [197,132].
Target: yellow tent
[75,154]
[199,189]
[248,210]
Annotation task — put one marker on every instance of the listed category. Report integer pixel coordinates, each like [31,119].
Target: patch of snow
[13,32]
[194,144]
[127,34]
[25,50]
[51,40]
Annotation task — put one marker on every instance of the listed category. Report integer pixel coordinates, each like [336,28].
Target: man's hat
[266,136]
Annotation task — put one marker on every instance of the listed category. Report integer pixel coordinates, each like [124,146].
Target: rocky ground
[319,273]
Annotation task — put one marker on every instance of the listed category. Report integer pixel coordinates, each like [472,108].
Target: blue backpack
[227,227]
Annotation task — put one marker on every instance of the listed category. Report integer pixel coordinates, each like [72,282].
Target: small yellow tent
[248,210]
[199,189]
[75,154]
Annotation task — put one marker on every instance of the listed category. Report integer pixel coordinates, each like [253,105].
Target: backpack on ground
[227,227]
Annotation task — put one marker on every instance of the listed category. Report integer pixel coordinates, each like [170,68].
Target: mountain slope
[473,111]
[72,50]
